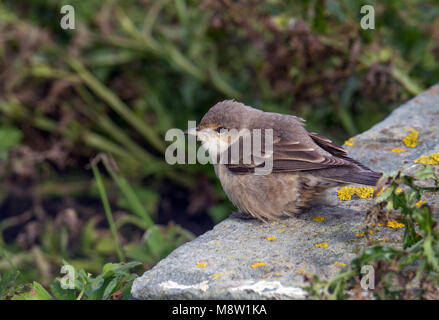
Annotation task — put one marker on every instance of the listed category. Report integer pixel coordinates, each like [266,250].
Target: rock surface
[247,259]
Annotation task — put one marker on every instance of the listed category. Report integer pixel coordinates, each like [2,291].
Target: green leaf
[425,173]
[110,288]
[40,292]
[109,269]
[124,267]
[429,252]
[93,288]
[60,293]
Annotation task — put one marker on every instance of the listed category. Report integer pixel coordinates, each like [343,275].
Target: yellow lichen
[277,274]
[340,264]
[371,232]
[257,265]
[391,224]
[321,245]
[431,159]
[319,219]
[411,140]
[347,192]
[201,264]
[364,192]
[398,150]
[360,234]
[270,238]
[395,224]
[303,272]
[419,203]
[349,142]
[217,275]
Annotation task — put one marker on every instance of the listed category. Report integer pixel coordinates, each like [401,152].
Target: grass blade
[107,209]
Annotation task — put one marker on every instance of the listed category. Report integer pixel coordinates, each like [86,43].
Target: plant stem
[107,209]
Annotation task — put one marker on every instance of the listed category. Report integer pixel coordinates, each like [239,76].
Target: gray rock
[247,259]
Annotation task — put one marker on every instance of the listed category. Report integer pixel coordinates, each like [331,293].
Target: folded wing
[305,154]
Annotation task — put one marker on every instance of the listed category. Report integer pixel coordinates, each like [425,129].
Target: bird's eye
[219,129]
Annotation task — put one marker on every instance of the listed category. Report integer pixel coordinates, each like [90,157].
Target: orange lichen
[319,219]
[398,150]
[349,142]
[431,159]
[411,140]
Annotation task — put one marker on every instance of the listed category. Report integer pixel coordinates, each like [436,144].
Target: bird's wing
[328,145]
[295,149]
[334,149]
[289,155]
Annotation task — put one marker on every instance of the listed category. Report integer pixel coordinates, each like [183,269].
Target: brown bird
[303,163]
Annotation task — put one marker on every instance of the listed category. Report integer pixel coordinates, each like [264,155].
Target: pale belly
[269,197]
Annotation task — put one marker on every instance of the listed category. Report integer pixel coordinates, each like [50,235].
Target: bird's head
[221,125]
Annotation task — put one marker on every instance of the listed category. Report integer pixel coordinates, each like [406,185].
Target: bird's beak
[192,131]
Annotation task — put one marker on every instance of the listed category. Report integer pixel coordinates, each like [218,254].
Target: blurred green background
[133,69]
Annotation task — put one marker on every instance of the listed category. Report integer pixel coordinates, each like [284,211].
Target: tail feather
[368,178]
[364,176]
[350,174]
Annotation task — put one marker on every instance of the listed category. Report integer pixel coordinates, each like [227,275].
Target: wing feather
[290,156]
[295,149]
[327,144]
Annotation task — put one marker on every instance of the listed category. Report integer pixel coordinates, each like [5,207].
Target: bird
[303,163]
